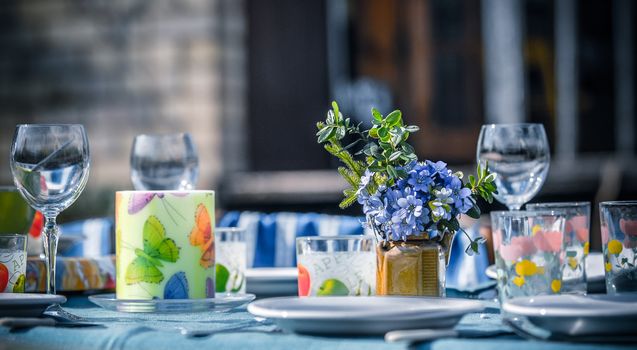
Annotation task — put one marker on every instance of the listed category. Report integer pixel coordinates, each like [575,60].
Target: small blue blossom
[438,211]
[453,182]
[377,210]
[463,200]
[366,178]
[443,195]
[420,180]
[363,197]
[439,167]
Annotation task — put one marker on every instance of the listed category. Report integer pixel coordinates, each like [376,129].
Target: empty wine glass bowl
[519,156]
[50,166]
[164,162]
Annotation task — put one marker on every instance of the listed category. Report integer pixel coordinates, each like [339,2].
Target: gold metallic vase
[415,267]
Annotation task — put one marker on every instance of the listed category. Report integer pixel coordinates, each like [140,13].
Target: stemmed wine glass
[164,162]
[519,156]
[50,166]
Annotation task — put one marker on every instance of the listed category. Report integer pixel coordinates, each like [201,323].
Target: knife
[423,335]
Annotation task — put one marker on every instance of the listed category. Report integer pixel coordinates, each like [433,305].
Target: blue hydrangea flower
[440,208]
[420,180]
[365,179]
[453,182]
[438,167]
[430,193]
[463,200]
[443,195]
[377,210]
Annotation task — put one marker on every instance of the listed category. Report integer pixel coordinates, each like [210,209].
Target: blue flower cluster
[430,194]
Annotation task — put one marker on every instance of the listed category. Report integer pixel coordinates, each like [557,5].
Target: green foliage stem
[384,149]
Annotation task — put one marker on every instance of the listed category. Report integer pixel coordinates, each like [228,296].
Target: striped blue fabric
[271,237]
[88,238]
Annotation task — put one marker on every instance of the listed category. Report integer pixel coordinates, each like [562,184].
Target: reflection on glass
[164,162]
[519,155]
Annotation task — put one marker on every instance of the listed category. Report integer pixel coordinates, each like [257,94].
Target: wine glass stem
[514,207]
[50,240]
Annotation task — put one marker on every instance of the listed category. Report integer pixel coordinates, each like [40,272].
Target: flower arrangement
[401,196]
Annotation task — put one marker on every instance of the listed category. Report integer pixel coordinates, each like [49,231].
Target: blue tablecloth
[156,332]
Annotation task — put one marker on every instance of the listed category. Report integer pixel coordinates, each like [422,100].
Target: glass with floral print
[619,245]
[576,242]
[529,249]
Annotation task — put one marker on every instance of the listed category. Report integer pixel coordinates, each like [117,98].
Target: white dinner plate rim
[463,306]
[521,307]
[271,274]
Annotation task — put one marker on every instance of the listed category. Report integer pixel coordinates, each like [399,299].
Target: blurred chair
[87,238]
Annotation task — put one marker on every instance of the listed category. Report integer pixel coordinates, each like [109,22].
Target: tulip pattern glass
[336,266]
[619,244]
[519,156]
[230,265]
[528,249]
[50,166]
[576,242]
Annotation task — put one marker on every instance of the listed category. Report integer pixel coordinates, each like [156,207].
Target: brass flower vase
[415,267]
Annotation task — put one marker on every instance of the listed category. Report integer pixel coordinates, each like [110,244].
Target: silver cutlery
[57,313]
[29,322]
[247,326]
[423,335]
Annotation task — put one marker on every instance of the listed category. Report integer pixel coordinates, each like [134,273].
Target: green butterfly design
[157,248]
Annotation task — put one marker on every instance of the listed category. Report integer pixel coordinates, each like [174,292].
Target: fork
[240,327]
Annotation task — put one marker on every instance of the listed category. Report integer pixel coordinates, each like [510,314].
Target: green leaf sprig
[330,133]
[384,149]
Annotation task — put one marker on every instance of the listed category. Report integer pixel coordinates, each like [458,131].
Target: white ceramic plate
[362,315]
[274,281]
[221,303]
[594,272]
[27,304]
[574,315]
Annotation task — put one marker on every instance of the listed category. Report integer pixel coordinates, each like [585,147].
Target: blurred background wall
[250,78]
[121,68]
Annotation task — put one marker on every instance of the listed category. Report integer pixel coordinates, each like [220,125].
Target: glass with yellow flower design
[619,244]
[529,248]
[576,242]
